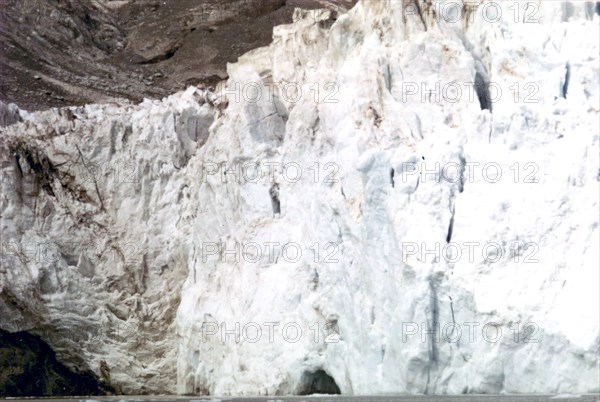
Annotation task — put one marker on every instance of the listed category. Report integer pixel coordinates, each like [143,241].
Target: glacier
[400,200]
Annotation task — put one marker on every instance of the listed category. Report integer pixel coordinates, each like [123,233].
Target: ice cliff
[404,199]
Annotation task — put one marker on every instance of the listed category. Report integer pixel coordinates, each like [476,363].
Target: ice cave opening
[317,382]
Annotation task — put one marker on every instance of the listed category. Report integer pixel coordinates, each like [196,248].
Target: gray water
[333,398]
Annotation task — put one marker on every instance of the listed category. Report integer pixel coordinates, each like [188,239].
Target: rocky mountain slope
[73,52]
[404,199]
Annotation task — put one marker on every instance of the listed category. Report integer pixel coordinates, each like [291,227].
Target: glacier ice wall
[140,238]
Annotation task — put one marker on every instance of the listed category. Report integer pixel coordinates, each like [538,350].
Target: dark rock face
[28,367]
[73,52]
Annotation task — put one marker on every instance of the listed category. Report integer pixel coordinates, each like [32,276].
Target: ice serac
[378,124]
[93,251]
[164,303]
